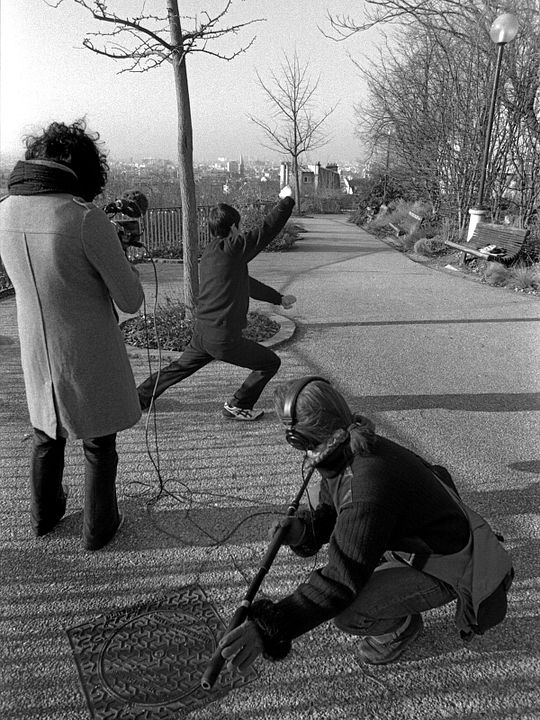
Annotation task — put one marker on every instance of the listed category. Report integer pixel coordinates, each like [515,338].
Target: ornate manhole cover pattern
[146,662]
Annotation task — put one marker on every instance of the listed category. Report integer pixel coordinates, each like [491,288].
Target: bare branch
[296,129]
[448,15]
[282,141]
[101,14]
[151,35]
[225,57]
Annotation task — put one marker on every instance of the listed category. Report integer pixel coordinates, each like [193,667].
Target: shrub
[168,251]
[253,217]
[380,188]
[427,230]
[420,207]
[405,242]
[168,323]
[530,252]
[398,213]
[330,201]
[260,327]
[283,242]
[295,228]
[174,331]
[494,273]
[430,246]
[524,277]
[394,216]
[359,216]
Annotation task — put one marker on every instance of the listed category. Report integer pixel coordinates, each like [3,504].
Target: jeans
[263,363]
[394,591]
[48,500]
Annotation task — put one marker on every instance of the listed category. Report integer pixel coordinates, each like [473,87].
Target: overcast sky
[47,75]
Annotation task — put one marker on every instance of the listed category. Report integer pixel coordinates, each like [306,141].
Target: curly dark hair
[73,146]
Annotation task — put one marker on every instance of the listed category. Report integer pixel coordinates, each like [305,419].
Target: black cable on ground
[187,499]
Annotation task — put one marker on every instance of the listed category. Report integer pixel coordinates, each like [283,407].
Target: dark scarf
[31,177]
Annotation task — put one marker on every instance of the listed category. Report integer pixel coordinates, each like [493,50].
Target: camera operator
[67,265]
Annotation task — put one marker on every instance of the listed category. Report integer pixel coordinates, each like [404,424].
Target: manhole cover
[146,662]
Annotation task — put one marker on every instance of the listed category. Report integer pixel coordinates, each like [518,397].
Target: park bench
[409,225]
[492,242]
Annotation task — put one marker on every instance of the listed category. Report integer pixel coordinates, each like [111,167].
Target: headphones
[292,436]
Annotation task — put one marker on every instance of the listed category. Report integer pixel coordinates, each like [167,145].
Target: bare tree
[295,129]
[434,82]
[146,41]
[420,104]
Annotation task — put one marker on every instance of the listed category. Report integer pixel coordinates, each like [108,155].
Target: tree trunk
[297,189]
[190,235]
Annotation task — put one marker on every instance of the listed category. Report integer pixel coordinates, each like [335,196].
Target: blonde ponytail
[362,434]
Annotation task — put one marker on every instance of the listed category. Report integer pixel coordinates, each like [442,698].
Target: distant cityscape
[216,179]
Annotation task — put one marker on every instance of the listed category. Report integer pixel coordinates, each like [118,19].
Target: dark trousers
[48,500]
[263,362]
[394,591]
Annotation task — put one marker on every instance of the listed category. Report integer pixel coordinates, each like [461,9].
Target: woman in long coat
[67,266]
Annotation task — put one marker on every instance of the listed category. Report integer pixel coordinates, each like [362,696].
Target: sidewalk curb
[286,331]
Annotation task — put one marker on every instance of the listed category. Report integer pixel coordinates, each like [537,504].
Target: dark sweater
[225,285]
[388,500]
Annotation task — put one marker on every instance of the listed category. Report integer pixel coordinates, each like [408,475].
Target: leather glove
[295,530]
[241,646]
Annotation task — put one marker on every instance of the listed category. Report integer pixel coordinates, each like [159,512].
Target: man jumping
[225,289]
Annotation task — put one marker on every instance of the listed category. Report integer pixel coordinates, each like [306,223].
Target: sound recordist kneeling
[399,543]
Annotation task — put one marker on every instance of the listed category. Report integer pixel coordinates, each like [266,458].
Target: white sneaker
[236,413]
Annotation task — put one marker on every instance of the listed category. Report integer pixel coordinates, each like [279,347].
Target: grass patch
[174,331]
[525,278]
[521,277]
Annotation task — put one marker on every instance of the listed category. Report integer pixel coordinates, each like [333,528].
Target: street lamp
[503,30]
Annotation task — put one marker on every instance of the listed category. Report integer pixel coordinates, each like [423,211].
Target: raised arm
[259,291]
[251,244]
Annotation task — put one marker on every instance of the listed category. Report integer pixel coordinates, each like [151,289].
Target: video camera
[132,205]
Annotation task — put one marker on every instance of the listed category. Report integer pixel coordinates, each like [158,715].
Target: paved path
[444,364]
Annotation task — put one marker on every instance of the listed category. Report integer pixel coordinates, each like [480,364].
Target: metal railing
[163,225]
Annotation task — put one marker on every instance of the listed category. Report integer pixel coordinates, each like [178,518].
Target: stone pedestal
[476,215]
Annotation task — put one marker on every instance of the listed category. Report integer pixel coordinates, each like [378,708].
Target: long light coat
[67,265]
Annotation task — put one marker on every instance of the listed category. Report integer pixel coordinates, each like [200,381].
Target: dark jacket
[387,500]
[225,285]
